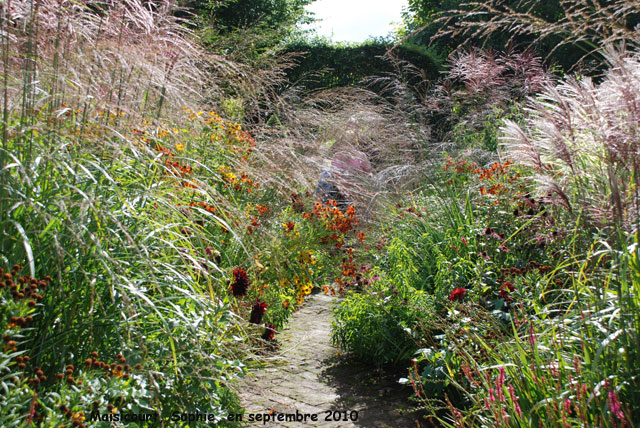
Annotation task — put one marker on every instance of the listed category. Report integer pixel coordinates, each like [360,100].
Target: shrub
[378,327]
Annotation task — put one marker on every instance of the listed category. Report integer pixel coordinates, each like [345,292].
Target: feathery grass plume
[581,139]
[589,24]
[480,88]
[89,196]
[321,124]
[126,58]
[402,123]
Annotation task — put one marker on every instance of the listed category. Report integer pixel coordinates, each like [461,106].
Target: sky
[356,20]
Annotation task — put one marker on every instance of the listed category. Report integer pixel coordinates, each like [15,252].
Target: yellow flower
[179,147]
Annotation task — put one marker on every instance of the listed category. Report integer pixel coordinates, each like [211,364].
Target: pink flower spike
[532,335]
[499,385]
[514,399]
[615,406]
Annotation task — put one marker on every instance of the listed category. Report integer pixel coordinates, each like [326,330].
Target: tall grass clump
[543,327]
[114,293]
[581,138]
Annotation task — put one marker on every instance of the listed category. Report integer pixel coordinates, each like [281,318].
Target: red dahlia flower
[240,283]
[457,294]
[505,289]
[257,312]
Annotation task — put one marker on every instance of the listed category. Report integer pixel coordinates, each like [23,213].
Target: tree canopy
[264,22]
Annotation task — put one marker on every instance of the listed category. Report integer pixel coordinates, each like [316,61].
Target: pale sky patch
[356,20]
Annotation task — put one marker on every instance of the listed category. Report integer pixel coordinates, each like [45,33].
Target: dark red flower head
[240,283]
[505,289]
[269,332]
[457,294]
[257,312]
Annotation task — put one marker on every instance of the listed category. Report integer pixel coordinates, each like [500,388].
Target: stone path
[310,377]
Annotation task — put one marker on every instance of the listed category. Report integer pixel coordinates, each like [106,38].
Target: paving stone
[310,376]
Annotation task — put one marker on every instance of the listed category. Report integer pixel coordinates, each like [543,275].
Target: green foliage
[230,15]
[379,327]
[482,133]
[262,23]
[327,65]
[232,108]
[578,351]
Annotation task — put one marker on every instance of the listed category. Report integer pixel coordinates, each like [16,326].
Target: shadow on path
[308,375]
[380,401]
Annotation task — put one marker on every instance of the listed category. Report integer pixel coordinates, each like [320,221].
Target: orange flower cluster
[334,219]
[188,185]
[120,369]
[297,205]
[495,189]
[496,169]
[235,134]
[254,225]
[178,169]
[349,272]
[77,419]
[460,166]
[239,141]
[237,183]
[23,288]
[39,376]
[204,206]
